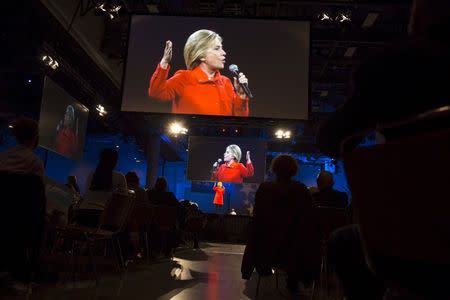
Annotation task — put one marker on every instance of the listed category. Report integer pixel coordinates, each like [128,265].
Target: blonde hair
[196,46]
[219,183]
[236,151]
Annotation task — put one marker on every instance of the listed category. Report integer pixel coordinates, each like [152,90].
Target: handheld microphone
[217,163]
[235,70]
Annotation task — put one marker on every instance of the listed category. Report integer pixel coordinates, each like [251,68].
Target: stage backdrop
[62,122]
[204,152]
[273,54]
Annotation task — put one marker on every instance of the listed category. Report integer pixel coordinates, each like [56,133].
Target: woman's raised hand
[167,56]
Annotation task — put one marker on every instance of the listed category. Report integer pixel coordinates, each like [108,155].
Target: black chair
[401,202]
[22,223]
[113,221]
[328,219]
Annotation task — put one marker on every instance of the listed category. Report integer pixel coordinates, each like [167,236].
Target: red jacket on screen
[218,197]
[235,173]
[66,141]
[191,92]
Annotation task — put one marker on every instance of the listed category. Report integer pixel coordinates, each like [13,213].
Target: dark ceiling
[337,49]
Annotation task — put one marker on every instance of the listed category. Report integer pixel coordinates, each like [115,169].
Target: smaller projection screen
[233,160]
[62,122]
[181,65]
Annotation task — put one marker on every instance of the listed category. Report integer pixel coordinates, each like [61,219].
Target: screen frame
[292,19]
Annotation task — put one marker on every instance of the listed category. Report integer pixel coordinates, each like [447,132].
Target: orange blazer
[234,173]
[191,92]
[218,197]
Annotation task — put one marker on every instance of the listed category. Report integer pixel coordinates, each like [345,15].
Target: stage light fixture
[324,16]
[10,126]
[49,61]
[342,17]
[176,128]
[283,134]
[101,110]
[112,10]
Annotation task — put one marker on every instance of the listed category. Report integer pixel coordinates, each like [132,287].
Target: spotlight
[279,134]
[10,126]
[112,10]
[117,146]
[49,61]
[324,17]
[101,110]
[176,128]
[283,134]
[29,81]
[343,18]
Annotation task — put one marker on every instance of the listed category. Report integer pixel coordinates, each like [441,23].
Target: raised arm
[247,170]
[160,87]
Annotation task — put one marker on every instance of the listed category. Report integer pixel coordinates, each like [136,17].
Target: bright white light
[176,128]
[49,61]
[279,134]
[283,134]
[101,110]
[10,126]
[102,6]
[324,16]
[343,18]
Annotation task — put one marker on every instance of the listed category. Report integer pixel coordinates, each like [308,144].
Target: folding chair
[112,222]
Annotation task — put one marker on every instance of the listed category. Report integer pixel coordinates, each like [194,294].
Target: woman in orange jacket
[218,197]
[200,89]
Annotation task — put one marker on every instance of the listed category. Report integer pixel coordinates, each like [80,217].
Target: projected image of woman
[67,133]
[201,89]
[232,170]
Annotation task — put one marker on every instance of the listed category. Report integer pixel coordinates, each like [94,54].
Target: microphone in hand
[217,163]
[235,70]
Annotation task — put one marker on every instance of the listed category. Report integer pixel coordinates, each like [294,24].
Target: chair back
[117,212]
[401,198]
[329,219]
[165,217]
[142,215]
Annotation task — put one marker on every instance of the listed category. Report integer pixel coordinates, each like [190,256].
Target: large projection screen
[62,122]
[273,55]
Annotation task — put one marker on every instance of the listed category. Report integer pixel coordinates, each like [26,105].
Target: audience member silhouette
[133,184]
[327,196]
[72,184]
[160,196]
[282,234]
[21,159]
[22,217]
[100,187]
[405,80]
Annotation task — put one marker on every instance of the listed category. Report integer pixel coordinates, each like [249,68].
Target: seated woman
[101,184]
[282,232]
